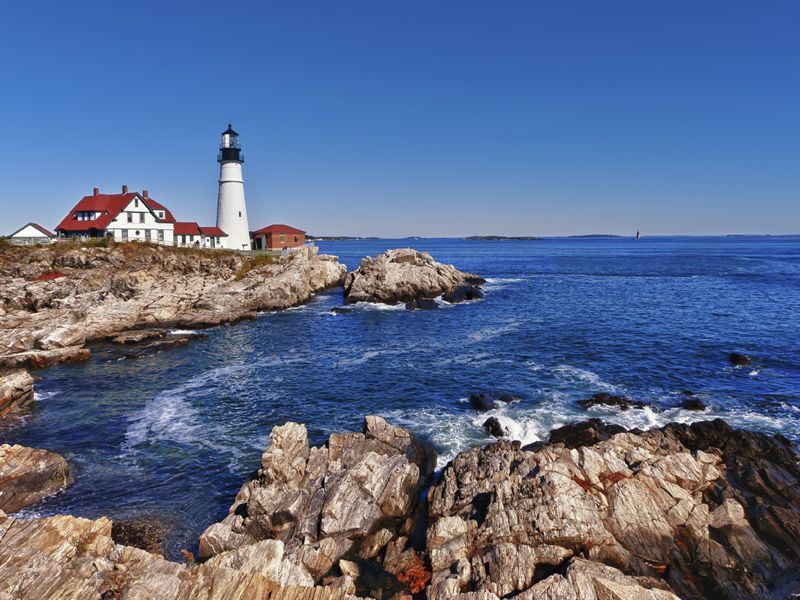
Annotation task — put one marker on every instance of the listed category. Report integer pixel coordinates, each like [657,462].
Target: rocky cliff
[54,300]
[689,511]
[409,277]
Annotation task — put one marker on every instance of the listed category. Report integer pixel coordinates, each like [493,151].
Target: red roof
[213,231]
[188,228]
[109,206]
[153,205]
[37,226]
[278,228]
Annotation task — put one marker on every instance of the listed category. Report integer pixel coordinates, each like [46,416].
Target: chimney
[96,191]
[124,189]
[145,194]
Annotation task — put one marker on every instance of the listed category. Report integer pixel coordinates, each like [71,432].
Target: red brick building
[278,237]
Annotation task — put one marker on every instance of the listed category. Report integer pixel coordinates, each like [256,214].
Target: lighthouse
[231,210]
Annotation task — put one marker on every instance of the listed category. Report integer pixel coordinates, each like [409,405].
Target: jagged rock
[422,304]
[27,475]
[485,402]
[16,389]
[139,335]
[692,404]
[69,557]
[404,276]
[693,511]
[463,293]
[39,359]
[737,359]
[349,497]
[493,427]
[584,433]
[103,292]
[606,399]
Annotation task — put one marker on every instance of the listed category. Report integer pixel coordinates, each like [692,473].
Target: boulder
[606,399]
[463,293]
[494,428]
[692,404]
[28,475]
[422,304]
[16,390]
[484,402]
[406,276]
[584,433]
[737,359]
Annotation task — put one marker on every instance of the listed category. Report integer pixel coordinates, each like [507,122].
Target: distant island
[501,237]
[338,238]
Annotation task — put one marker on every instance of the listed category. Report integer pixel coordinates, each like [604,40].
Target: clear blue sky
[412,118]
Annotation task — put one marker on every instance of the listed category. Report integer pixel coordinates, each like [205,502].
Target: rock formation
[54,300]
[408,276]
[606,399]
[355,498]
[595,513]
[69,557]
[695,511]
[16,390]
[27,475]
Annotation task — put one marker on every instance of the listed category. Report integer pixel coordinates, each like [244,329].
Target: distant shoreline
[593,236]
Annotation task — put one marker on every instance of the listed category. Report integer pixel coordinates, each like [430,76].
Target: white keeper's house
[128,216]
[32,233]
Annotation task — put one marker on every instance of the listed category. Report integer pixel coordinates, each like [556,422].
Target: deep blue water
[178,433]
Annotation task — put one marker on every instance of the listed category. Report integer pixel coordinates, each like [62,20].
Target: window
[240,213]
[147,234]
[137,233]
[295,239]
[124,235]
[161,214]
[160,235]
[183,239]
[141,217]
[136,202]
[130,217]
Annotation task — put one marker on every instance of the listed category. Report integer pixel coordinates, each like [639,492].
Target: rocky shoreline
[56,300]
[689,511]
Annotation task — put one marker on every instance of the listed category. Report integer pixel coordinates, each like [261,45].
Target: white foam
[584,375]
[38,396]
[362,358]
[488,333]
[184,332]
[377,306]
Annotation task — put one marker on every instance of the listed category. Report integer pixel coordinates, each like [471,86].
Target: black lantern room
[230,149]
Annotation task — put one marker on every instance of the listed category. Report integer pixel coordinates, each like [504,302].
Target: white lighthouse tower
[231,210]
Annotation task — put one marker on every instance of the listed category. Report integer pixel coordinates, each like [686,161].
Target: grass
[254,262]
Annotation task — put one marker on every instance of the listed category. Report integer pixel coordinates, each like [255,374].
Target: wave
[38,395]
[572,373]
[488,333]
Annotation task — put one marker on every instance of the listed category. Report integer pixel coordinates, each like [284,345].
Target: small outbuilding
[278,237]
[32,233]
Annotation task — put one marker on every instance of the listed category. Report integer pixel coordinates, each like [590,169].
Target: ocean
[176,434]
